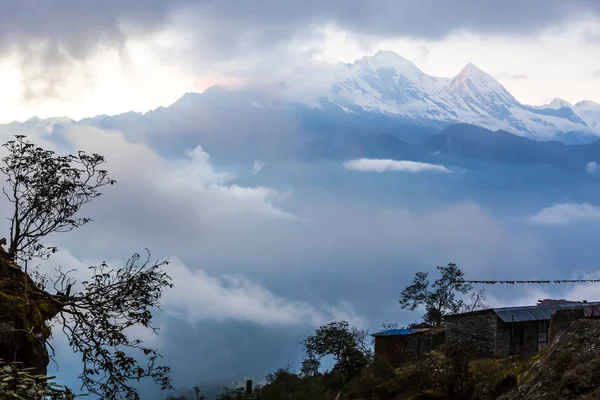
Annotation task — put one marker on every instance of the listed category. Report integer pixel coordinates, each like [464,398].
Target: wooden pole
[512,334]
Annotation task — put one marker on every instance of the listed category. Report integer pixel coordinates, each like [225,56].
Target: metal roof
[400,332]
[592,310]
[534,313]
[539,313]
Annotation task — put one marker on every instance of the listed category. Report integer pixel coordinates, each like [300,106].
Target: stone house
[399,345]
[505,331]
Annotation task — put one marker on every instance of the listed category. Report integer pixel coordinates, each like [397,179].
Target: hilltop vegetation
[568,369]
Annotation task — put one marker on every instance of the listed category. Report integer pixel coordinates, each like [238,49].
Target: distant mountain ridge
[384,94]
[458,143]
[389,87]
[387,83]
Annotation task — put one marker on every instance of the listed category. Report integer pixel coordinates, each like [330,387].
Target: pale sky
[556,55]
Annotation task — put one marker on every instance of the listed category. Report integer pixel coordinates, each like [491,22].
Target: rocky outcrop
[24,315]
[561,319]
[568,369]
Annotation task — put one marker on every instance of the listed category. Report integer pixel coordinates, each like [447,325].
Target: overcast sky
[81,58]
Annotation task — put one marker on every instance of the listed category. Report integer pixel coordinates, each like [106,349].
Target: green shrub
[21,384]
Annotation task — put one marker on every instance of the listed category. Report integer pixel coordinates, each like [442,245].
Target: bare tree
[478,298]
[46,192]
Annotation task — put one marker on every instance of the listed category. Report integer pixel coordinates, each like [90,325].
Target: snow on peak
[558,103]
[472,71]
[388,83]
[587,104]
[472,78]
[477,94]
[386,56]
[387,59]
[589,111]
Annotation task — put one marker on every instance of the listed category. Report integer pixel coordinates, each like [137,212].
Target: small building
[505,331]
[399,345]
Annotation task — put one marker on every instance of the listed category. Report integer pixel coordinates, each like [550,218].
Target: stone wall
[528,345]
[502,348]
[561,319]
[477,329]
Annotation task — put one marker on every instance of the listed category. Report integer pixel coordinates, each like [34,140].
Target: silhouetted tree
[439,297]
[348,345]
[46,192]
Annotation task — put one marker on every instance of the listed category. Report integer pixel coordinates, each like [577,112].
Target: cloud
[50,40]
[158,202]
[198,297]
[197,168]
[193,178]
[567,291]
[592,168]
[567,213]
[376,165]
[257,166]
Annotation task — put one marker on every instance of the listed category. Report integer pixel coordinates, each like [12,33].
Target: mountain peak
[559,103]
[387,54]
[386,59]
[471,71]
[587,104]
[473,79]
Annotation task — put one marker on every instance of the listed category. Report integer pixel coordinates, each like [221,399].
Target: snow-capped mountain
[389,84]
[589,111]
[555,104]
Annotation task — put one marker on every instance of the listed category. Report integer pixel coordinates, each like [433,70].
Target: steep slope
[388,83]
[589,111]
[569,369]
[473,91]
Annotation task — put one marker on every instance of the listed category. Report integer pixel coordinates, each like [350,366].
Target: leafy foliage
[439,298]
[96,322]
[22,384]
[348,345]
[46,192]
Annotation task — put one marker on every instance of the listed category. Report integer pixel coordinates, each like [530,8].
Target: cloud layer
[565,214]
[48,41]
[375,165]
[198,297]
[75,28]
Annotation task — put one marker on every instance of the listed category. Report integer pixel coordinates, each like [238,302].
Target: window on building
[542,335]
